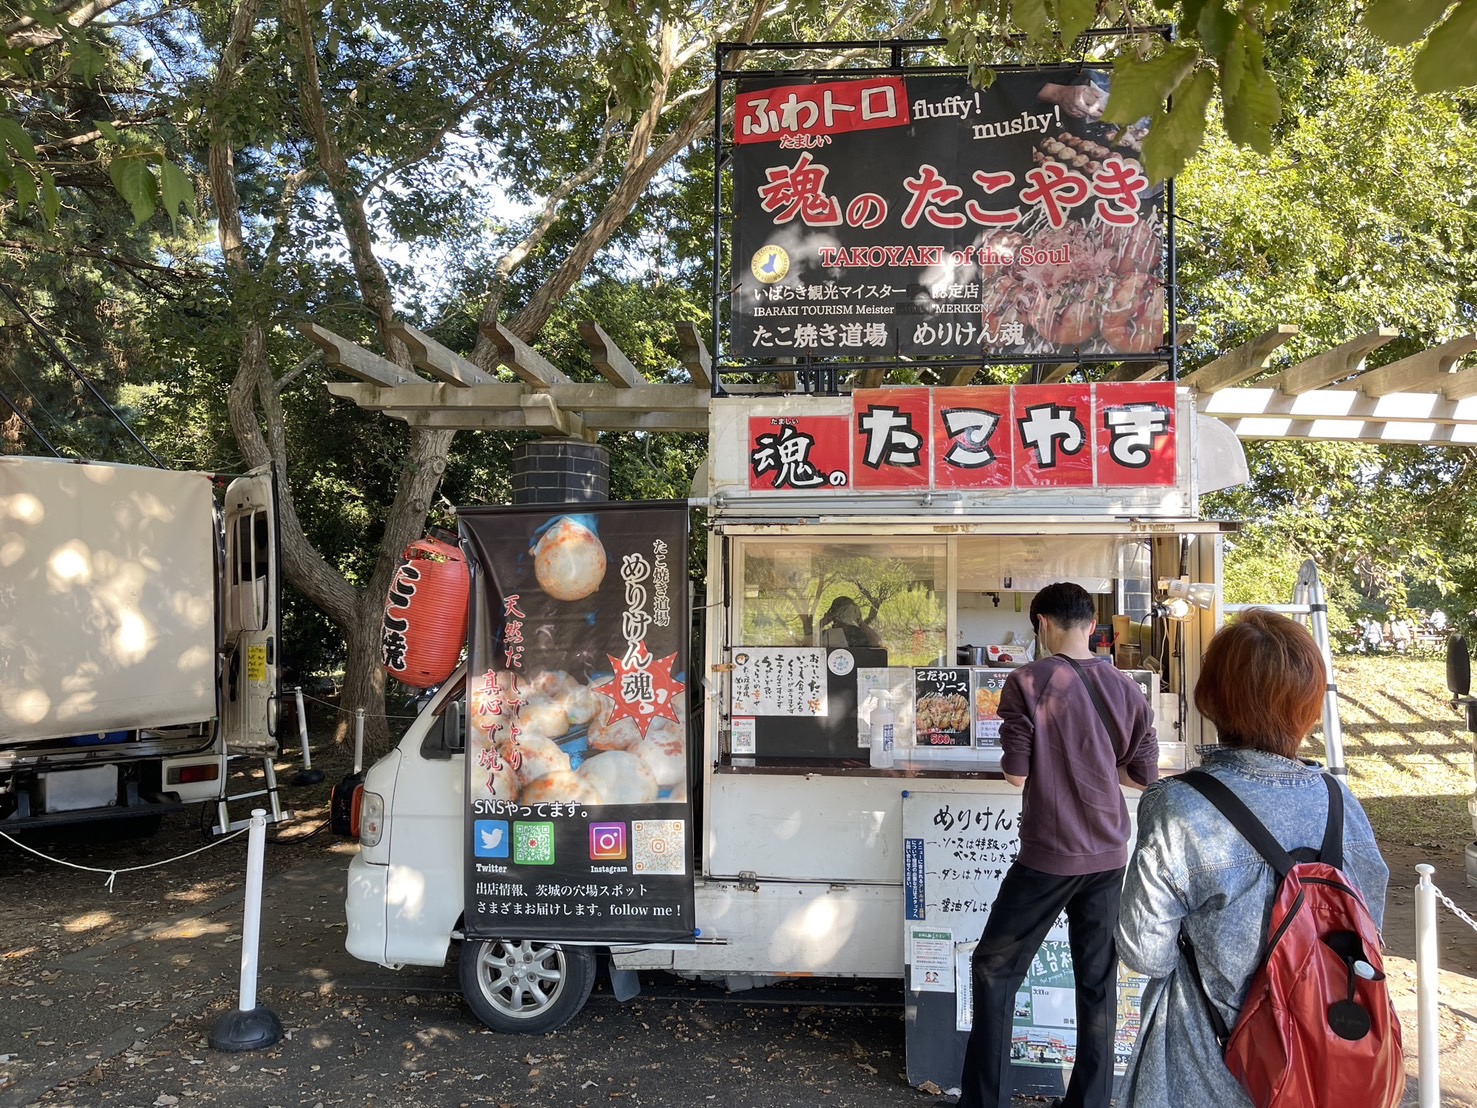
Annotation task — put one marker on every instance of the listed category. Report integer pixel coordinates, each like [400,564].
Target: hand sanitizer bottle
[884,724]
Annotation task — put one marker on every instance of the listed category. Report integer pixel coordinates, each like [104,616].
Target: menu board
[779,681]
[941,712]
[956,849]
[988,684]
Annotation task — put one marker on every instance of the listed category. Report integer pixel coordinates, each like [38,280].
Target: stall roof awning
[1427,398]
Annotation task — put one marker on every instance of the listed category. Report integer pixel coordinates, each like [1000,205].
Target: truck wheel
[525,987]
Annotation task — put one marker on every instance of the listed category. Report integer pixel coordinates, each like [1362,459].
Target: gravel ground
[114,993]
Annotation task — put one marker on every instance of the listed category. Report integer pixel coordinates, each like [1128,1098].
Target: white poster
[779,681]
[933,961]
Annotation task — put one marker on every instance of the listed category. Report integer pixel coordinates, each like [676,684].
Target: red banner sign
[982,437]
[801,116]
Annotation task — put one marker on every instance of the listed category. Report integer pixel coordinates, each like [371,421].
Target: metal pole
[307,775]
[250,1027]
[1309,591]
[358,739]
[302,727]
[1426,968]
[251,927]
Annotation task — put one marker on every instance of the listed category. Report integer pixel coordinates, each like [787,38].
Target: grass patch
[1408,751]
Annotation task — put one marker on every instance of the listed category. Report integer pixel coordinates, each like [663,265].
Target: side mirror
[1458,666]
[456,724]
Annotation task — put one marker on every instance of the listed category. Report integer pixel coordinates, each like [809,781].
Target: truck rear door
[250,615]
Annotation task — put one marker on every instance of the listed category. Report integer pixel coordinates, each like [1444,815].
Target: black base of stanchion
[307,777]
[240,1030]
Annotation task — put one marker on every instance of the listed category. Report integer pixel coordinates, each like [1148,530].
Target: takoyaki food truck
[801,777]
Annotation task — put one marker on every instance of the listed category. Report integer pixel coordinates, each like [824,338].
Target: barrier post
[250,1027]
[307,775]
[1426,968]
[358,740]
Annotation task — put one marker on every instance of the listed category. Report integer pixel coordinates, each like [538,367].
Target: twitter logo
[490,838]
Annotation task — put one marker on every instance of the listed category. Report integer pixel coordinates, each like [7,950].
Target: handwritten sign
[779,681]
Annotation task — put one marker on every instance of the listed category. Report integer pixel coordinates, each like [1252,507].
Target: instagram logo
[608,842]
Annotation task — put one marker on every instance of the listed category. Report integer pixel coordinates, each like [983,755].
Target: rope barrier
[340,708]
[114,872]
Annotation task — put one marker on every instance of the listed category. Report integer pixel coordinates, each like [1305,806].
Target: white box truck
[138,637]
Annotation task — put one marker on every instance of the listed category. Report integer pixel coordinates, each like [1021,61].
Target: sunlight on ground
[88,921]
[1408,752]
[191,929]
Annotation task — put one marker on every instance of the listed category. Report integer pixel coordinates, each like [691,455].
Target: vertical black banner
[579,825]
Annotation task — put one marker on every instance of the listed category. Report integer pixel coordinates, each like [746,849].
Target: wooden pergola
[1427,398]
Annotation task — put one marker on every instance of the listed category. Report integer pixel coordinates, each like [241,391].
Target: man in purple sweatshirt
[1074,834]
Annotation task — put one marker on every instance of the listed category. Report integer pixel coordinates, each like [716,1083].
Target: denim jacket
[1193,869]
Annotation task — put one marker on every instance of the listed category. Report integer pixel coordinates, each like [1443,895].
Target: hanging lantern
[426,615]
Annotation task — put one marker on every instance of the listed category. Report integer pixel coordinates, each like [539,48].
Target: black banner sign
[579,825]
[918,216]
[941,713]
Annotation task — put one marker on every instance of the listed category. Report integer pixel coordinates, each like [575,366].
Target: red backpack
[1317,1027]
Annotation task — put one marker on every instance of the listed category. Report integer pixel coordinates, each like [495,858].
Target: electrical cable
[31,427]
[52,345]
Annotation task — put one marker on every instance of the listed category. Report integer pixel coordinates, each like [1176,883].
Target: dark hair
[1262,683]
[1065,603]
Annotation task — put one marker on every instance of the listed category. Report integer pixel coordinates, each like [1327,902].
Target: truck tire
[521,986]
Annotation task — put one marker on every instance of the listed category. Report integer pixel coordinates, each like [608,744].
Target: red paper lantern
[425,623]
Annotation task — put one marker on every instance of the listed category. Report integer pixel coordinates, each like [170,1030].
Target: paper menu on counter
[941,706]
[988,684]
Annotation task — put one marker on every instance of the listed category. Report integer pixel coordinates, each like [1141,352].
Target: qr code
[533,844]
[658,846]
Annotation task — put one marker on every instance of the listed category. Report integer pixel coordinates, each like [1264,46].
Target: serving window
[786,589]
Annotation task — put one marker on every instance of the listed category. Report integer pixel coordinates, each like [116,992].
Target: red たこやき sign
[991,437]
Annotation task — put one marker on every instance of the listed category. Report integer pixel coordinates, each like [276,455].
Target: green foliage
[1447,61]
[1215,44]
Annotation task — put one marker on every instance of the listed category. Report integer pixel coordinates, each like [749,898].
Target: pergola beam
[1426,370]
[1136,371]
[695,354]
[1342,361]
[1356,430]
[1338,404]
[354,359]
[607,357]
[522,359]
[1240,363]
[482,419]
[439,361]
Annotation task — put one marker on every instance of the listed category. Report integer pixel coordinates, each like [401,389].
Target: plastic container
[884,728]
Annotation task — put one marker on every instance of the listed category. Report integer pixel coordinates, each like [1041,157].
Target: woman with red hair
[1262,684]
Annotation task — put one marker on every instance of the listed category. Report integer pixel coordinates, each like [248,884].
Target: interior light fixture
[1183,596]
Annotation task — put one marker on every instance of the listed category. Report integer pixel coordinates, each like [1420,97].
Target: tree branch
[374,286]
[25,34]
[508,264]
[449,122]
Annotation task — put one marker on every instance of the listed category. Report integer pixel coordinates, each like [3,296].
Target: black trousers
[1028,904]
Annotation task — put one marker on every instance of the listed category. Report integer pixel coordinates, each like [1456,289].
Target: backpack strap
[1217,1023]
[1332,851]
[1097,700]
[1240,816]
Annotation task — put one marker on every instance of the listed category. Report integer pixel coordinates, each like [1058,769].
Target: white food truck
[806,858]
